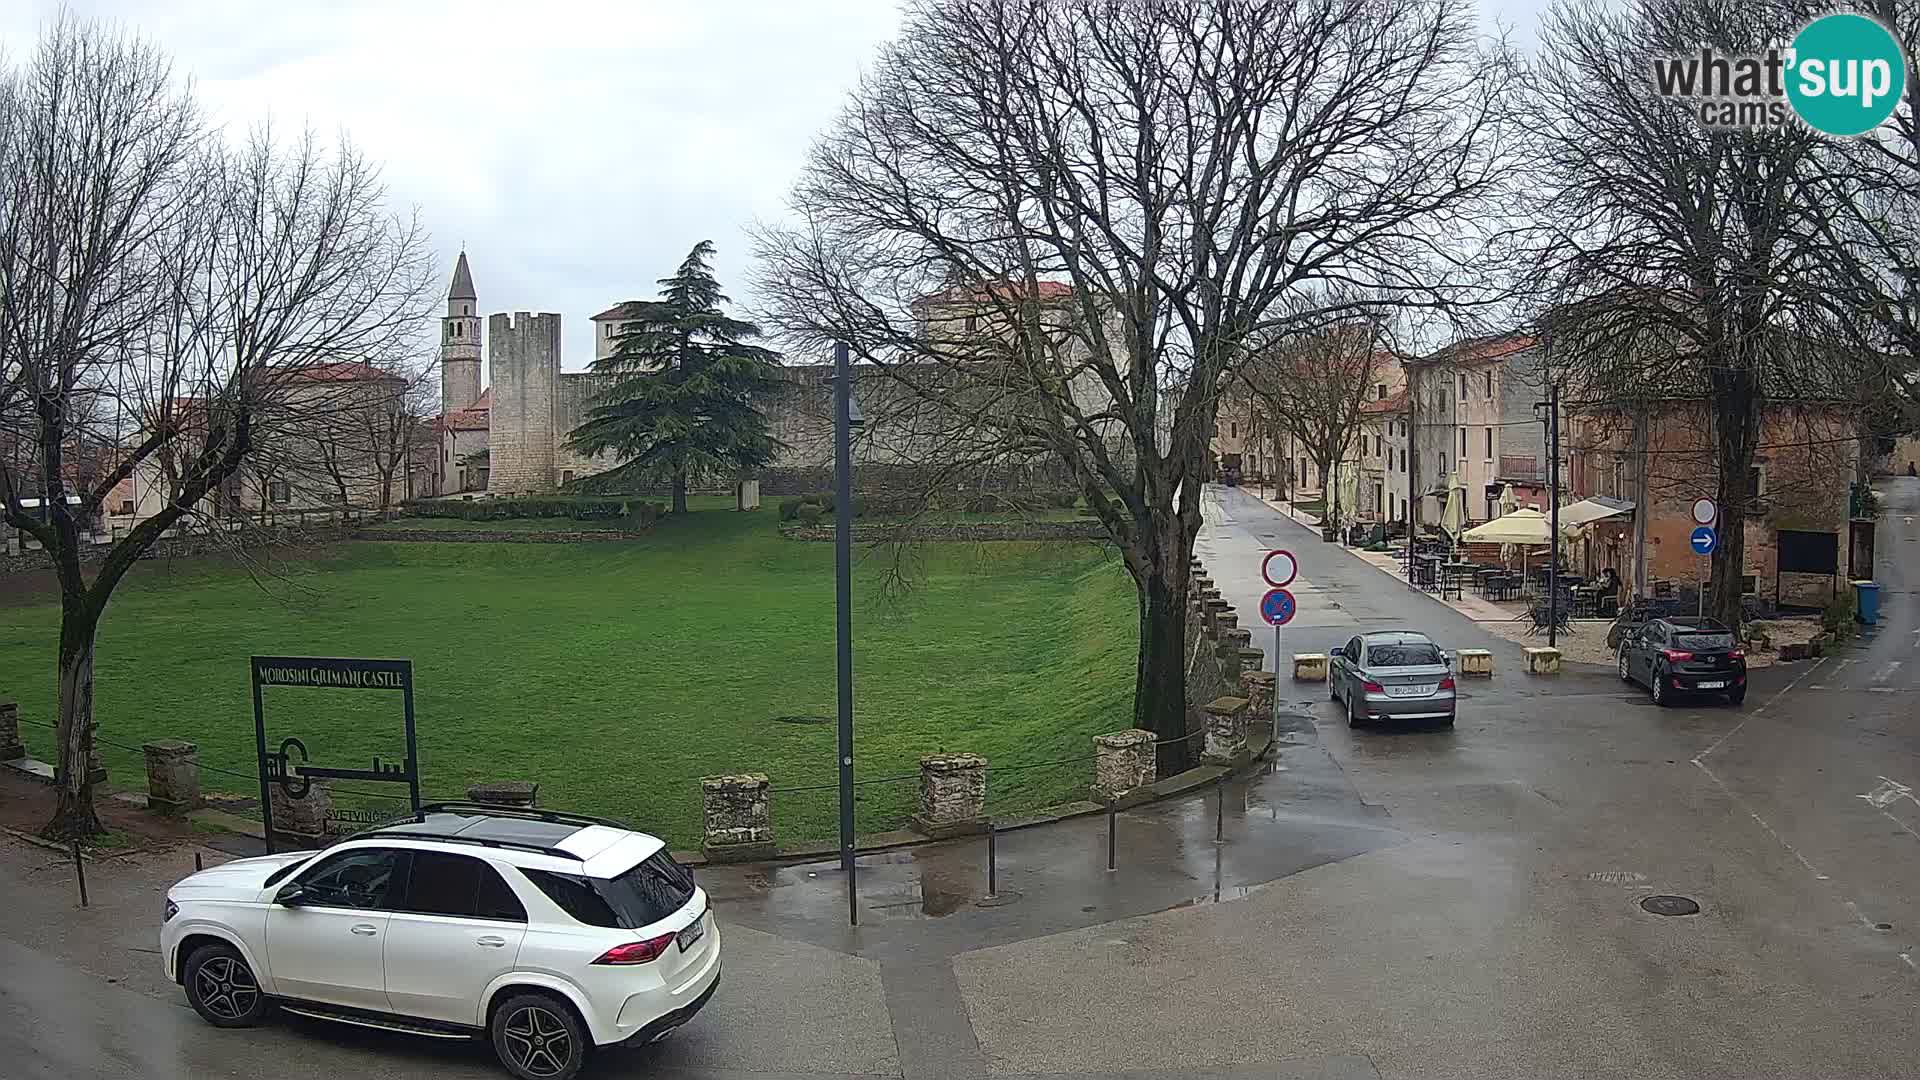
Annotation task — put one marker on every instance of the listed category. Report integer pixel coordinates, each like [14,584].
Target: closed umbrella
[1349,491]
[1454,514]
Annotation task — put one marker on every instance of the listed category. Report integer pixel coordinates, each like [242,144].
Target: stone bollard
[1475,662]
[737,818]
[1543,661]
[1251,659]
[173,775]
[1226,738]
[509,794]
[1228,619]
[1227,649]
[11,748]
[1123,761]
[953,795]
[306,820]
[1215,607]
[1309,667]
[1257,687]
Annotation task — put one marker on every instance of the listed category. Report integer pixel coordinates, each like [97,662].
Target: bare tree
[162,300]
[1312,386]
[1680,263]
[1087,211]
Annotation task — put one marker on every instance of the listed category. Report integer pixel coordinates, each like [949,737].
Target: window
[1376,446]
[1463,442]
[1233,427]
[1443,401]
[1463,386]
[1756,481]
[1489,384]
[1403,656]
[279,492]
[1489,444]
[1379,391]
[126,506]
[651,891]
[460,886]
[361,878]
[973,323]
[1439,466]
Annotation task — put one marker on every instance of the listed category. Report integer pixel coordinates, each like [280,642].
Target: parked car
[546,933]
[1392,675]
[1682,654]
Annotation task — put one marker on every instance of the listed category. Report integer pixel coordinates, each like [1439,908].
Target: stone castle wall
[572,401]
[524,356]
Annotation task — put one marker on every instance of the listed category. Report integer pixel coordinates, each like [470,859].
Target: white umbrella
[1519,527]
[1454,514]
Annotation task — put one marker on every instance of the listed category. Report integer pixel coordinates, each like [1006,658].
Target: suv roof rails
[528,813]
[455,838]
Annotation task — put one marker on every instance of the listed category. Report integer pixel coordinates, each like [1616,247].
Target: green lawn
[615,674]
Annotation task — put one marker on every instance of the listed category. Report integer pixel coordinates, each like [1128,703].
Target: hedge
[637,513]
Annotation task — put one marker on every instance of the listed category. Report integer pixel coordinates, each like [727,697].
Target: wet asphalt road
[1403,904]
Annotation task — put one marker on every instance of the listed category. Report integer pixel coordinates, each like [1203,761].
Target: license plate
[694,932]
[1712,684]
[1422,690]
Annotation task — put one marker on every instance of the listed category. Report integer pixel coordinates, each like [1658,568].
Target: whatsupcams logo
[1842,75]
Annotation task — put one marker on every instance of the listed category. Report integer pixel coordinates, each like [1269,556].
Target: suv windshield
[655,888]
[1402,655]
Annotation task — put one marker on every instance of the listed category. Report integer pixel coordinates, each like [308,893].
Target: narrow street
[1403,904]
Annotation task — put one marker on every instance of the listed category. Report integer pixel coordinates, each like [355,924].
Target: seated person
[1609,583]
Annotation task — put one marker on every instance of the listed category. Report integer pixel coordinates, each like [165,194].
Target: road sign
[1704,540]
[1704,512]
[1277,607]
[1279,568]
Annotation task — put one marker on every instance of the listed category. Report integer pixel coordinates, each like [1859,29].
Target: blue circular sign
[1704,540]
[1277,607]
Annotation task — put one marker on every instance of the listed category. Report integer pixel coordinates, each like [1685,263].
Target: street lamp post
[843,605]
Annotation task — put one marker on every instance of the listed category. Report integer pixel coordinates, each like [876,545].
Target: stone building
[511,438]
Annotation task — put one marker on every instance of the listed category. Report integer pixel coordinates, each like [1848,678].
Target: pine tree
[681,400]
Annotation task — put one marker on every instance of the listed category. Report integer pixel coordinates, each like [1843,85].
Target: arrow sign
[1277,607]
[1279,568]
[1704,540]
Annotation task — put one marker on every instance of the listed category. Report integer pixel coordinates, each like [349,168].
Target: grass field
[615,674]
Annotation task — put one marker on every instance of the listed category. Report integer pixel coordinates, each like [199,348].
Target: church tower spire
[460,343]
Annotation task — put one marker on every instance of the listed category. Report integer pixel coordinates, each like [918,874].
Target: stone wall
[496,536]
[959,531]
[191,545]
[572,401]
[524,359]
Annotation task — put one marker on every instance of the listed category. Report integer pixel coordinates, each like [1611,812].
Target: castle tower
[524,358]
[460,343]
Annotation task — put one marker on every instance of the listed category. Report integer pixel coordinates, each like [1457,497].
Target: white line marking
[1886,793]
[1883,689]
[1845,662]
[1908,957]
[1778,694]
[1887,671]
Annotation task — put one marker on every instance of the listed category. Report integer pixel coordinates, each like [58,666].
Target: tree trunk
[679,491]
[1736,431]
[1160,673]
[74,816]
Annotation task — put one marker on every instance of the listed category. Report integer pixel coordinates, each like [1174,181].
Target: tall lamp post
[845,417]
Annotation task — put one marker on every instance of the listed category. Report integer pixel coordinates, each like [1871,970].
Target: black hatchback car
[1680,654]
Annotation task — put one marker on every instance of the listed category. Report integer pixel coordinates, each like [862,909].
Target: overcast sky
[576,148]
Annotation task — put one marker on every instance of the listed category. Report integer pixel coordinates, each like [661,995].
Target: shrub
[789,508]
[1837,619]
[577,509]
[809,513]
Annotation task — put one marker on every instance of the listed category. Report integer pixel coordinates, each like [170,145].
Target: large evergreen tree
[681,401]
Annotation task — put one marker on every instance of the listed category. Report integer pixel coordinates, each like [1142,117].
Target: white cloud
[577,148]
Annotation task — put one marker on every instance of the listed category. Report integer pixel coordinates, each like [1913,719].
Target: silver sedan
[1392,675]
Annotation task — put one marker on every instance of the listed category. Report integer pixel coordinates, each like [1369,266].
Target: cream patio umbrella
[1523,527]
[1454,514]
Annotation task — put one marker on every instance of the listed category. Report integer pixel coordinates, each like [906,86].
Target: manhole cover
[801,720]
[1670,905]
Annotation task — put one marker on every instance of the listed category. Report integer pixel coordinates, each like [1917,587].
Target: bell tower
[460,343]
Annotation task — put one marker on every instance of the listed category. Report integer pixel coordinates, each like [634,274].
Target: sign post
[1278,608]
[1704,540]
[295,778]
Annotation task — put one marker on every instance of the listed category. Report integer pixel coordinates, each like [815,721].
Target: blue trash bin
[1867,602]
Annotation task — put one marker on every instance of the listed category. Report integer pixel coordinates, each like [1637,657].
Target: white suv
[547,933]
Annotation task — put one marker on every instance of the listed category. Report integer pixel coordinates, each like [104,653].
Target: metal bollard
[1220,809]
[993,877]
[196,863]
[1112,812]
[80,872]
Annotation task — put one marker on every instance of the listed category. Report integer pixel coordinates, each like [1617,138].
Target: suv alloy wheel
[1656,685]
[538,1037]
[222,988]
[1624,675]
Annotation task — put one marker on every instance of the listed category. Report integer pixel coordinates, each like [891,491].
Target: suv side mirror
[292,895]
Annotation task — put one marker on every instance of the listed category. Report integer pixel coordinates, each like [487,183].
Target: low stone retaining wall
[958,531]
[496,536]
[27,560]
